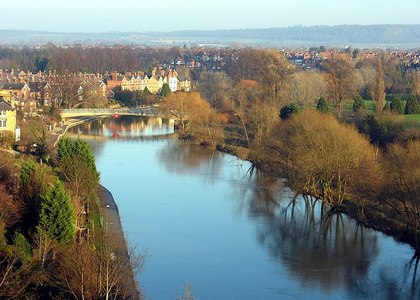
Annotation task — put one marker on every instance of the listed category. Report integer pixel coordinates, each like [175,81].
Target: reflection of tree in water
[328,250]
[387,283]
[320,248]
[124,127]
[180,157]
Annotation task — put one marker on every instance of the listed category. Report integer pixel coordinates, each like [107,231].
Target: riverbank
[61,130]
[109,210]
[371,215]
[113,226]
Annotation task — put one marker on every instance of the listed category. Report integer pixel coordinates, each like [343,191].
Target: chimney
[114,76]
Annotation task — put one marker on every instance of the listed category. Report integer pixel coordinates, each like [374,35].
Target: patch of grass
[370,105]
[348,106]
[414,117]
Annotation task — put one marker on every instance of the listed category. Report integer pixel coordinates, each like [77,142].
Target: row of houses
[29,92]
[154,82]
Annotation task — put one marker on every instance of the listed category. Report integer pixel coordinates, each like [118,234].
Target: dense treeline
[71,59]
[53,243]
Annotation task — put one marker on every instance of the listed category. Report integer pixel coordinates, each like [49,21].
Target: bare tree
[339,73]
[217,88]
[247,93]
[106,272]
[273,70]
[306,87]
[321,156]
[402,166]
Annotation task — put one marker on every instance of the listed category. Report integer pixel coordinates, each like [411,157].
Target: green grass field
[348,106]
[415,118]
[409,121]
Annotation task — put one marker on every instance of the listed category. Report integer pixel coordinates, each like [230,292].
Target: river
[209,222]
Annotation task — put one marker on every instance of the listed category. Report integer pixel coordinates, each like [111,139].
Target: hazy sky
[169,15]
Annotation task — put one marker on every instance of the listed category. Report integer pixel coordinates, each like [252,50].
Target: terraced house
[138,81]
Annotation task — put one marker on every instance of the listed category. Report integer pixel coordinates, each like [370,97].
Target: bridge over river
[147,111]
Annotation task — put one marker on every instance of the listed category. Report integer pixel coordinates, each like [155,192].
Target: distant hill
[357,34]
[406,36]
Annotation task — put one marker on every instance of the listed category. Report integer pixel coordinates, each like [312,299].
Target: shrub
[288,110]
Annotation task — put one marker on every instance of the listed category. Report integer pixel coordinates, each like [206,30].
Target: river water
[207,221]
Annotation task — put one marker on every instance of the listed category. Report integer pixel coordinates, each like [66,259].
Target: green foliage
[166,90]
[384,130]
[387,107]
[358,104]
[57,215]
[288,110]
[322,105]
[69,149]
[77,164]
[27,171]
[414,118]
[146,91]
[397,105]
[412,106]
[23,247]
[128,98]
[34,179]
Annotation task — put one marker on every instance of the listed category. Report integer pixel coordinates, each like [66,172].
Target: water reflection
[121,129]
[324,249]
[124,127]
[181,157]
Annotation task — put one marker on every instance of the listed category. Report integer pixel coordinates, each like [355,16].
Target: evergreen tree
[33,184]
[69,150]
[77,164]
[166,90]
[397,105]
[358,103]
[322,105]
[412,106]
[23,247]
[146,91]
[288,110]
[57,215]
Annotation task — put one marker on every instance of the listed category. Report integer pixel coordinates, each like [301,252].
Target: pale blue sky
[169,15]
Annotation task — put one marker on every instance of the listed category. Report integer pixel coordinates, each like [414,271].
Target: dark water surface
[232,234]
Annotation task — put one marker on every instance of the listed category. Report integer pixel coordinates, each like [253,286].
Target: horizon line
[205,30]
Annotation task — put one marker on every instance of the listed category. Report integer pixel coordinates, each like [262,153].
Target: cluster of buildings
[410,59]
[27,92]
[138,81]
[218,58]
